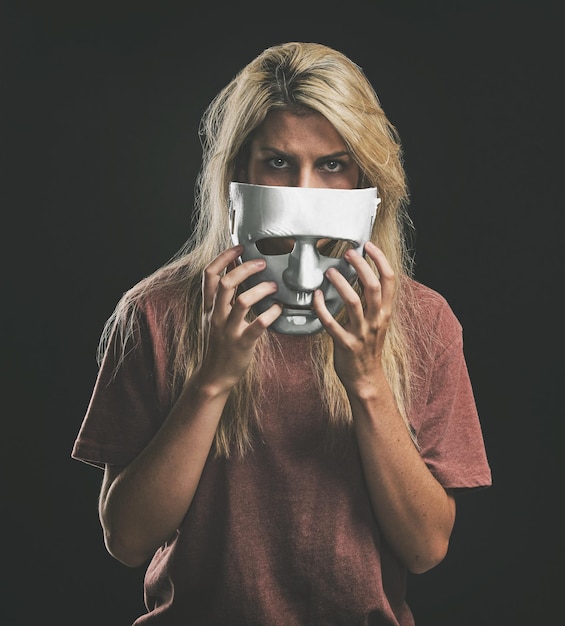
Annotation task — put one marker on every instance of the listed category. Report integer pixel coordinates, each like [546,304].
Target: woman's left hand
[358,344]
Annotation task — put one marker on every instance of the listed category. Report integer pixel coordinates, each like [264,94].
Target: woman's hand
[358,345]
[414,511]
[142,504]
[229,340]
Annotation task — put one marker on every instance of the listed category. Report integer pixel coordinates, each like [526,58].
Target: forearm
[413,509]
[144,504]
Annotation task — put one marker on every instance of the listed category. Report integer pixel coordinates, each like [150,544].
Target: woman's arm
[143,504]
[415,512]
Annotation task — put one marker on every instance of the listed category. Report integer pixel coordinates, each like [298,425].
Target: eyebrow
[333,155]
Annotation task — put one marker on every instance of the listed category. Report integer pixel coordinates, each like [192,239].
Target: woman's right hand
[142,504]
[229,339]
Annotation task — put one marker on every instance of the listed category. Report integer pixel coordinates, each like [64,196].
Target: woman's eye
[333,166]
[278,162]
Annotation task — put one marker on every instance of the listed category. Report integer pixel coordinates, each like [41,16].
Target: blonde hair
[300,76]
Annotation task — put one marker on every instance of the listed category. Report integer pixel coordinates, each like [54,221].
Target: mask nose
[304,272]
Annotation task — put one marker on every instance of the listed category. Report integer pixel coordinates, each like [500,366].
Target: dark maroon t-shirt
[286,536]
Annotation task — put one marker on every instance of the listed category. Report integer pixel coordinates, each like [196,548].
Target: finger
[387,278]
[333,328]
[245,300]
[230,281]
[263,321]
[372,288]
[351,300]
[214,271]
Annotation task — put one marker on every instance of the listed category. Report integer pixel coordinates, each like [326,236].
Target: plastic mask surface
[300,232]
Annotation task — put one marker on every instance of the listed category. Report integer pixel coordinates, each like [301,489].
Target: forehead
[290,131]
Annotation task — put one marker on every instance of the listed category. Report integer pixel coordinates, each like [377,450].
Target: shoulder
[151,310]
[429,316]
[162,293]
[428,303]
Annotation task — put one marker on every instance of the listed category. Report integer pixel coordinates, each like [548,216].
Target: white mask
[288,226]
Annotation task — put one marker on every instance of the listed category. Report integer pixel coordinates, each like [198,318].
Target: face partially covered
[300,232]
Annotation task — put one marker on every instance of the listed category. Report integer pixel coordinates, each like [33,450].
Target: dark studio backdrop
[100,105]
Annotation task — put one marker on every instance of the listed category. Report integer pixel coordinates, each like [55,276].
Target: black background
[100,104]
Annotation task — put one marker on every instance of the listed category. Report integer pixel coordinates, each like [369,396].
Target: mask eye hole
[334,248]
[274,246]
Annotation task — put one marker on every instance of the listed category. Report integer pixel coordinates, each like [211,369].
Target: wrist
[367,387]
[208,388]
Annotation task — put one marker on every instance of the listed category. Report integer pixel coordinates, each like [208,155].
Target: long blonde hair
[291,75]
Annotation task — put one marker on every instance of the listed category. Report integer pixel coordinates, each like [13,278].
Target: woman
[272,478]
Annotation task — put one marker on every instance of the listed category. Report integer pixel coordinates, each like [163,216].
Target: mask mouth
[289,309]
[302,301]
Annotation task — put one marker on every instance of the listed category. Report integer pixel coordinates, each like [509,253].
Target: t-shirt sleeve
[126,407]
[448,428]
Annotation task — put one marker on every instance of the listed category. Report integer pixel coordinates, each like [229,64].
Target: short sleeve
[446,421]
[126,407]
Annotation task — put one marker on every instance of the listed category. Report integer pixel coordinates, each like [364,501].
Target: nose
[305,178]
[305,173]
[303,272]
